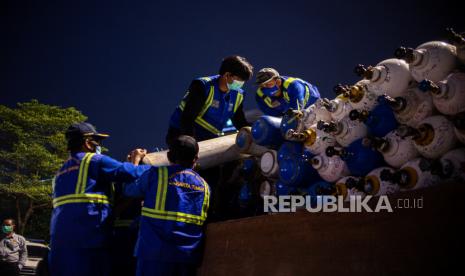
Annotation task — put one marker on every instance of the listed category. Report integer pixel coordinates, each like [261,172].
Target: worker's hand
[136,156]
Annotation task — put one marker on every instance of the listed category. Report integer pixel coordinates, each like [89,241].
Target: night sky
[127,64]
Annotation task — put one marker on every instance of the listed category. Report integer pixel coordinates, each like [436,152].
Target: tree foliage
[32,149]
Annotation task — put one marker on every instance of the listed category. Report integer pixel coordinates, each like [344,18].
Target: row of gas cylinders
[401,127]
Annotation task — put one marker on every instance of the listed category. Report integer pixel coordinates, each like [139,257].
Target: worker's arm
[139,187]
[239,121]
[296,92]
[195,100]
[115,171]
[22,253]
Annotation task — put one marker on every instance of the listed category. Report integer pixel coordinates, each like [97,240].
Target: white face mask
[235,85]
[98,150]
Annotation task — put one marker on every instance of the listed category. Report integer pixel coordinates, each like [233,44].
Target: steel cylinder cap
[405,54]
[362,71]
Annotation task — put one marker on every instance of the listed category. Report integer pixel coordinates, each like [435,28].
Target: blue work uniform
[296,94]
[80,224]
[215,113]
[174,211]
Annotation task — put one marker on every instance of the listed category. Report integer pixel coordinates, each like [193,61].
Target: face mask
[98,149]
[235,85]
[270,91]
[7,229]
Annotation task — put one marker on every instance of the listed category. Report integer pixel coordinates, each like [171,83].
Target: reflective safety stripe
[173,216]
[238,102]
[80,196]
[159,211]
[266,99]
[83,171]
[286,95]
[183,103]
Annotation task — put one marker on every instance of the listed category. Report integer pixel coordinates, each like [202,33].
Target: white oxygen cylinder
[318,140]
[432,60]
[376,186]
[413,177]
[359,96]
[449,94]
[346,189]
[459,126]
[315,113]
[330,168]
[390,77]
[345,131]
[413,107]
[453,164]
[269,164]
[267,188]
[396,150]
[433,136]
[339,107]
[458,41]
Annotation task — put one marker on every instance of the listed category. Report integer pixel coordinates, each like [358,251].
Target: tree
[32,149]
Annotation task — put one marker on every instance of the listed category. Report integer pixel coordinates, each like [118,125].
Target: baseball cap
[83,129]
[265,75]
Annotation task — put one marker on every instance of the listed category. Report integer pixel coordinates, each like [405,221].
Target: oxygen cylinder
[330,168]
[316,141]
[448,95]
[432,60]
[375,186]
[432,137]
[459,126]
[295,170]
[458,41]
[345,131]
[359,96]
[396,150]
[349,186]
[269,164]
[245,195]
[244,141]
[413,107]
[412,175]
[267,188]
[338,107]
[288,149]
[450,166]
[317,190]
[391,77]
[266,131]
[300,120]
[284,189]
[379,121]
[359,158]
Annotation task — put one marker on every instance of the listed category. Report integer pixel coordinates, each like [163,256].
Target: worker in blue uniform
[276,94]
[211,101]
[175,208]
[80,228]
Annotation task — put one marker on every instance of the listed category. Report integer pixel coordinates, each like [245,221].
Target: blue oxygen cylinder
[283,189]
[245,195]
[291,120]
[359,158]
[379,121]
[295,170]
[266,131]
[289,149]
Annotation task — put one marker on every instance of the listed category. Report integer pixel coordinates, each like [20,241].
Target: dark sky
[126,64]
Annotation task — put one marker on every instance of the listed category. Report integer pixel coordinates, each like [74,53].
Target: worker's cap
[80,130]
[265,75]
[184,147]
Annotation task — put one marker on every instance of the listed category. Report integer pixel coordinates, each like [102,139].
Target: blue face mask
[235,85]
[272,91]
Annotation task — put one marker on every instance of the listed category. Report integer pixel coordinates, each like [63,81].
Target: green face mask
[7,229]
[235,85]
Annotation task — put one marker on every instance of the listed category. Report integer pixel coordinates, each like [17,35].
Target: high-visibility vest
[287,81]
[213,117]
[80,195]
[159,209]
